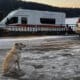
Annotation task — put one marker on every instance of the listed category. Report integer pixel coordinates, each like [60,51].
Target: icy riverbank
[48,58]
[6,43]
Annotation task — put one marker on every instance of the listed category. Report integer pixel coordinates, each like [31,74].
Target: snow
[46,58]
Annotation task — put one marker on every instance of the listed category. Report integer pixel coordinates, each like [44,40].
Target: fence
[45,29]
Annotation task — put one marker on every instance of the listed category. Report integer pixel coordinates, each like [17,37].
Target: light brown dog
[12,60]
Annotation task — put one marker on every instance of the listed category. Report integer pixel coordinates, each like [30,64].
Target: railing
[72,26]
[20,30]
[39,28]
[35,28]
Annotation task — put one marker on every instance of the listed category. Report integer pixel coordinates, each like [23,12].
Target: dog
[11,61]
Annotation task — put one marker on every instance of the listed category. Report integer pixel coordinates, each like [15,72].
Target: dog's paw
[18,73]
[15,74]
[7,75]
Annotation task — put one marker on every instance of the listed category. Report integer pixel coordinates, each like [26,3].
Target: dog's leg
[18,61]
[11,70]
[18,64]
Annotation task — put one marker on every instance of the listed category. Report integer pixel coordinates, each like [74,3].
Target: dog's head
[19,46]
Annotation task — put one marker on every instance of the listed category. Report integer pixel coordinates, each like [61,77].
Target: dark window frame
[12,20]
[47,21]
[23,20]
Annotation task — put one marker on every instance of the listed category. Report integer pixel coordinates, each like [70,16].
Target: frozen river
[46,58]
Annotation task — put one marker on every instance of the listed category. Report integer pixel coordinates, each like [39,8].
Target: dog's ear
[16,44]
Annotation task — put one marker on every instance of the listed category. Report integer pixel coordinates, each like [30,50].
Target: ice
[6,43]
[41,61]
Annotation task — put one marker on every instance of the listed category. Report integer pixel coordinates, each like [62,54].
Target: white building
[35,17]
[33,21]
[72,22]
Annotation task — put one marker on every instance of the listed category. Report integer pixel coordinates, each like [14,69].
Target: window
[12,20]
[24,20]
[47,21]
